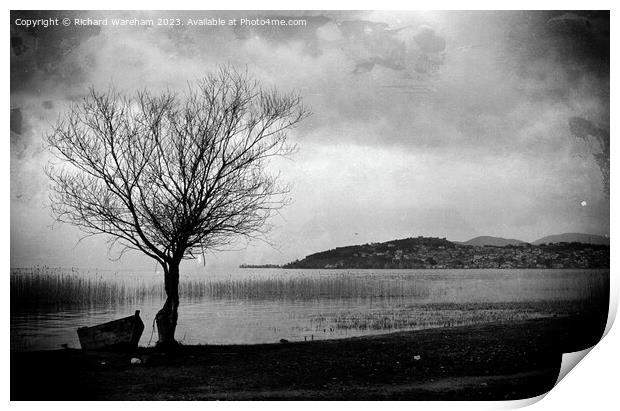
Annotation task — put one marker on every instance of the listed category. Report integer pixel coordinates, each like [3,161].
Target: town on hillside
[438,253]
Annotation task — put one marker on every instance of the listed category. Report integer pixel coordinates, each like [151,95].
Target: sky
[446,124]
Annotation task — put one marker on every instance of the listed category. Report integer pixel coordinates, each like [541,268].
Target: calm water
[265,305]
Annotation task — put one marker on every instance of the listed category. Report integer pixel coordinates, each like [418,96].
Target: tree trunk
[166,318]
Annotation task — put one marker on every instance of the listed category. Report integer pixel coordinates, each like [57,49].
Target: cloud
[598,141]
[428,40]
[422,121]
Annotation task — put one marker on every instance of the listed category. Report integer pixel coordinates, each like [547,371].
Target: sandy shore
[484,362]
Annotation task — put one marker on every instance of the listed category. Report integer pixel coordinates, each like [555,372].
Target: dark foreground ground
[485,362]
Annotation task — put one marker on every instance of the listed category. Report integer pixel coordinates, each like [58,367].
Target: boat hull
[122,334]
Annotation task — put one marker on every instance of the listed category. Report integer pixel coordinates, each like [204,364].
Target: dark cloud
[307,34]
[560,51]
[42,51]
[412,112]
[373,44]
[571,24]
[16,120]
[597,139]
[429,41]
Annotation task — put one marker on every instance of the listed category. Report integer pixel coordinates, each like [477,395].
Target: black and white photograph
[308,205]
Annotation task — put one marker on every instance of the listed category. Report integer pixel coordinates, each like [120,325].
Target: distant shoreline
[260,266]
[439,253]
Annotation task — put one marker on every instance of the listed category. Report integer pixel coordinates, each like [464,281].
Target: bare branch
[172,176]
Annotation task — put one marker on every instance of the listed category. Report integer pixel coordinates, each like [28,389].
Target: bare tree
[173,176]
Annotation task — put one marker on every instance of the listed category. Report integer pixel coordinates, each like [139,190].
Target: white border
[591,386]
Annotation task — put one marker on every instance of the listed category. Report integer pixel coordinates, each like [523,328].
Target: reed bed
[339,286]
[43,285]
[427,315]
[425,319]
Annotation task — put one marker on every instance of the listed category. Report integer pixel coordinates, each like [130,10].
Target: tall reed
[44,285]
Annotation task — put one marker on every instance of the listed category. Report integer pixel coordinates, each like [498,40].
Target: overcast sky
[448,124]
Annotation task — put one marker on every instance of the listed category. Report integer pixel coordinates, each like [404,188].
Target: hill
[573,238]
[492,241]
[431,252]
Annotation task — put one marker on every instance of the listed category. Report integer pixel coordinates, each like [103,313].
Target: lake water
[247,306]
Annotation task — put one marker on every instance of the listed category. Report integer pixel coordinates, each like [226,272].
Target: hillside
[431,252]
[573,238]
[492,241]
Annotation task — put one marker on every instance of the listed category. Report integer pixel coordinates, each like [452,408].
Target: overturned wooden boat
[122,334]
